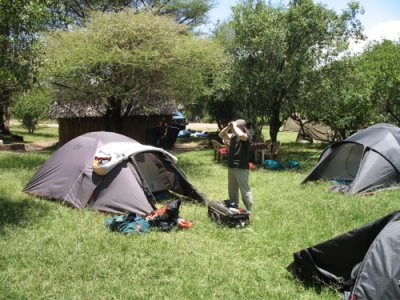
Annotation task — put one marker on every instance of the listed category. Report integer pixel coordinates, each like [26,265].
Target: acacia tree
[276,47]
[122,61]
[189,12]
[22,21]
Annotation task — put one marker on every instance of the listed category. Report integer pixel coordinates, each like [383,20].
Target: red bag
[223,150]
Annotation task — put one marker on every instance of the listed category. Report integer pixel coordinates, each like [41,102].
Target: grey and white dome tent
[129,185]
[367,160]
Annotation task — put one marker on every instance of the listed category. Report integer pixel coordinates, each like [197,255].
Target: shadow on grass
[306,154]
[40,134]
[44,135]
[22,161]
[20,213]
[313,283]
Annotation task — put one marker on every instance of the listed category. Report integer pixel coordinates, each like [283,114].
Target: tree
[20,22]
[382,61]
[276,47]
[127,60]
[31,107]
[189,12]
[338,95]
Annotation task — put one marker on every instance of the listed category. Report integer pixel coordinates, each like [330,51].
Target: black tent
[366,161]
[363,263]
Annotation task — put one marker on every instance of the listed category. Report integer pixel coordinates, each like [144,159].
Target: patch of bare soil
[203,143]
[39,146]
[202,126]
[178,147]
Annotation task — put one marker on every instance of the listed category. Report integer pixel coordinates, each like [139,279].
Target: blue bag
[273,165]
[293,164]
[128,224]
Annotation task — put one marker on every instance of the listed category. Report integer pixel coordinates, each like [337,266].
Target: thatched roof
[75,109]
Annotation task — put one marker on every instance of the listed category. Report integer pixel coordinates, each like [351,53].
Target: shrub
[31,107]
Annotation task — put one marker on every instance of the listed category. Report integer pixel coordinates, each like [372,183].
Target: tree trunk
[274,124]
[4,92]
[342,134]
[4,117]
[113,116]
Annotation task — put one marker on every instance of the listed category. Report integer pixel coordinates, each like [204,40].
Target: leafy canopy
[382,62]
[130,58]
[20,24]
[275,47]
[31,107]
[338,95]
[189,12]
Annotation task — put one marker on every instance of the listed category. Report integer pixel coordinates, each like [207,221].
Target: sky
[380,20]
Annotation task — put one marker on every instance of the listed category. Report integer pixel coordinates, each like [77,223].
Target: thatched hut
[75,119]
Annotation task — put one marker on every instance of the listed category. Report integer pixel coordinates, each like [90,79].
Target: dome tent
[367,160]
[363,263]
[68,175]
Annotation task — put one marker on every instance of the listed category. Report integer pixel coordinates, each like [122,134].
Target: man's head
[241,124]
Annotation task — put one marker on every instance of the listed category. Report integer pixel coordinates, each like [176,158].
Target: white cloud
[389,30]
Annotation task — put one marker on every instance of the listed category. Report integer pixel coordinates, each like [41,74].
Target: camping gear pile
[191,133]
[362,263]
[128,224]
[368,160]
[130,175]
[227,213]
[163,219]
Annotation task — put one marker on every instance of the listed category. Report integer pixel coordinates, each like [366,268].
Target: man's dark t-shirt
[239,153]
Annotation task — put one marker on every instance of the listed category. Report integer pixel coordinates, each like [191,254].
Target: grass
[50,251]
[42,133]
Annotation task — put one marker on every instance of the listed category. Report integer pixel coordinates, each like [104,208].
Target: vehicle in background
[179,121]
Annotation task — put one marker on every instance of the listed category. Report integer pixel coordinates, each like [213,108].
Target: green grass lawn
[51,251]
[43,133]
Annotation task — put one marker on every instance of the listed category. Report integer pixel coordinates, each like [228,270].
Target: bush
[31,107]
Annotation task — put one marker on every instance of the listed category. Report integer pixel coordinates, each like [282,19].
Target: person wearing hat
[238,137]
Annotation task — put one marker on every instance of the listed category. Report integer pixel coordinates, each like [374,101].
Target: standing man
[239,139]
[162,135]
